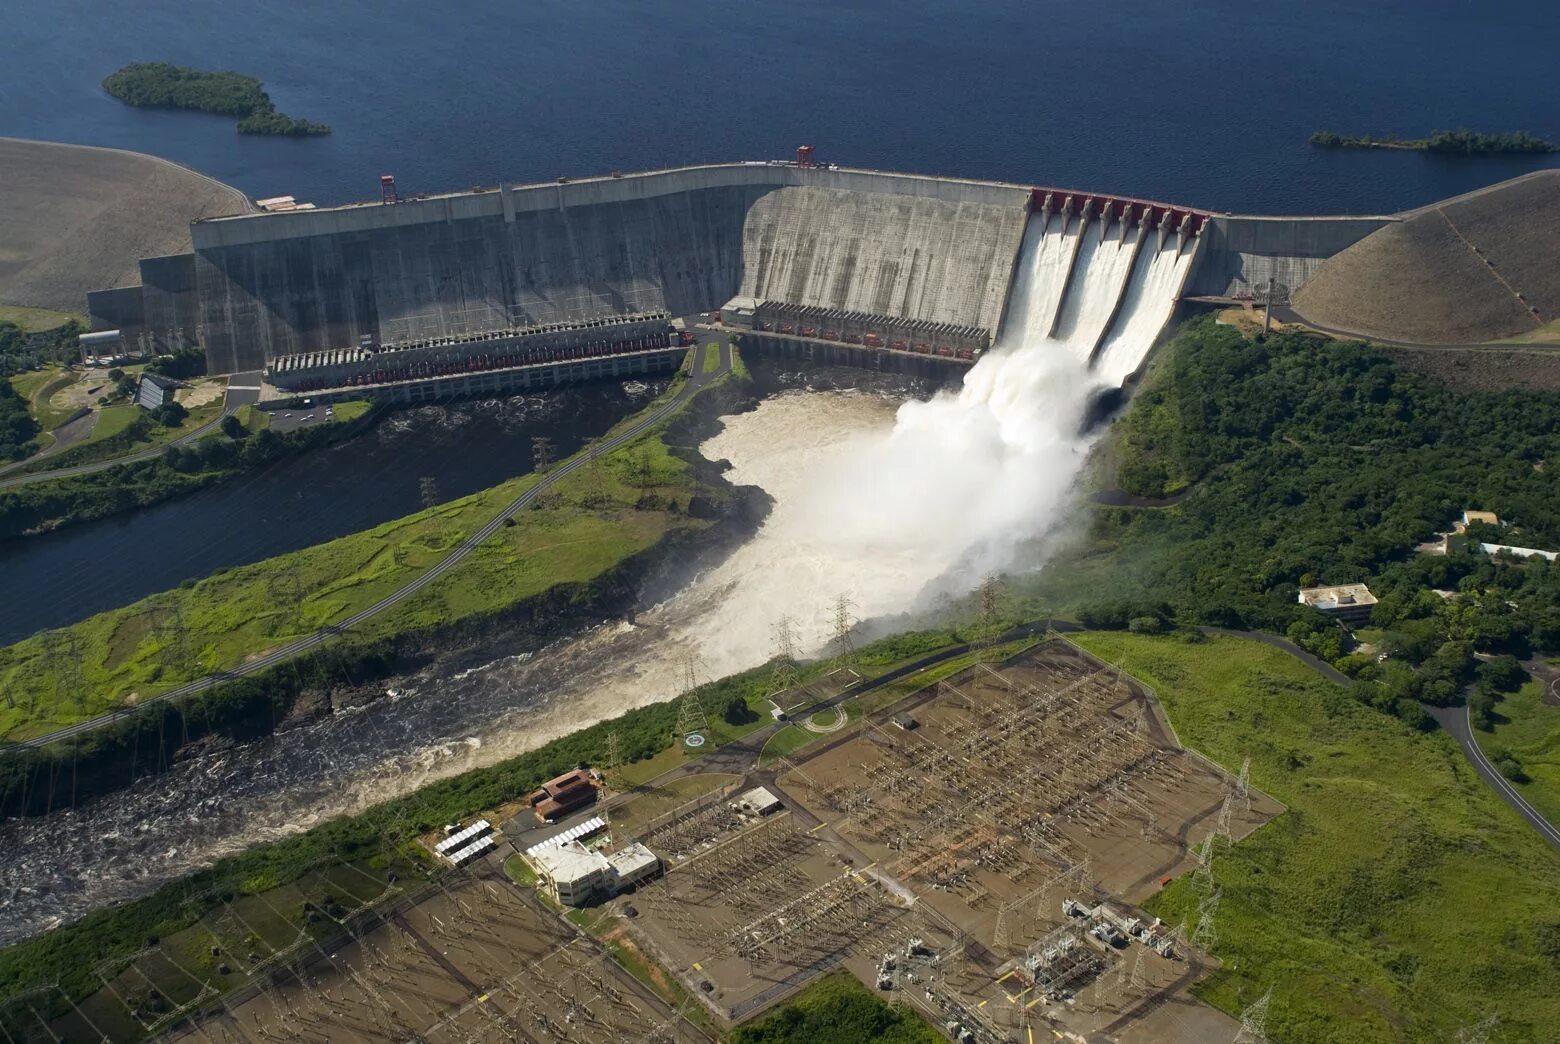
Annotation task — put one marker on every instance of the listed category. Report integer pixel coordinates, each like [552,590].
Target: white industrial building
[574,874]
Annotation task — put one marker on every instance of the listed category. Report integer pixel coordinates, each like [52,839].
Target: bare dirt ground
[1483,369]
[483,960]
[79,218]
[201,391]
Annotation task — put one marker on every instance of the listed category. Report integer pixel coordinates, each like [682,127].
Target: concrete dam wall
[894,248]
[683,241]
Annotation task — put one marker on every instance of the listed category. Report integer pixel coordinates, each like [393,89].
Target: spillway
[1050,245]
[1099,278]
[1151,294]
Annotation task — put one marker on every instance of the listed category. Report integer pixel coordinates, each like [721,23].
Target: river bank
[306,499]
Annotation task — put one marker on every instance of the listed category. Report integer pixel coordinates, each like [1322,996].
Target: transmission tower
[62,664]
[610,771]
[690,712]
[1202,877]
[643,470]
[541,453]
[844,644]
[1243,784]
[785,675]
[1139,980]
[1479,1032]
[1253,1021]
[1206,934]
[428,491]
[173,640]
[990,597]
[1225,810]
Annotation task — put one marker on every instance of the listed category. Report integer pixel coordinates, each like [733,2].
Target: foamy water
[887,506]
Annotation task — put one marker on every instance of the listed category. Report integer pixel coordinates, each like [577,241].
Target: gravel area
[1482,267]
[74,218]
[1483,369]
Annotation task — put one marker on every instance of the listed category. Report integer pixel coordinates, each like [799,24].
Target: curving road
[230,405]
[281,654]
[1458,724]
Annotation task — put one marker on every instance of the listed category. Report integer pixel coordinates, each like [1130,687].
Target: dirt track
[74,218]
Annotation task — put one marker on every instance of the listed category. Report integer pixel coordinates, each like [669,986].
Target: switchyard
[983,864]
[479,959]
[978,851]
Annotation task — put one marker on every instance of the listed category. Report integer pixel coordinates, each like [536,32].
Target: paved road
[1456,721]
[309,642]
[234,398]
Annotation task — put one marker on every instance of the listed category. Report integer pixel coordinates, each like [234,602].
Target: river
[468,711]
[60,578]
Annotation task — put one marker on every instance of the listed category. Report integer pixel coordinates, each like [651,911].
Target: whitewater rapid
[893,505]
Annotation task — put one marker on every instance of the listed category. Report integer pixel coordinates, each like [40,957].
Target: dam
[862,266]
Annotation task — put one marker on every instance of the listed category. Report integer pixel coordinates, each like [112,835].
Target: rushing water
[1207,103]
[452,717]
[63,577]
[887,504]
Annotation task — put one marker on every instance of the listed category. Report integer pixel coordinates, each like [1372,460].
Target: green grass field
[586,524]
[837,1010]
[1529,729]
[1397,900]
[711,357]
[38,387]
[34,320]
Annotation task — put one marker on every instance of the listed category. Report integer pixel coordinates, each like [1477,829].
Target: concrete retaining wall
[119,308]
[168,301]
[684,241]
[1238,251]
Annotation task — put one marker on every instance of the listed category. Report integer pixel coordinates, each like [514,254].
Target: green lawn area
[1529,729]
[520,871]
[38,387]
[583,526]
[1397,899]
[253,419]
[350,410]
[34,320]
[642,809]
[711,357]
[110,438]
[837,1010]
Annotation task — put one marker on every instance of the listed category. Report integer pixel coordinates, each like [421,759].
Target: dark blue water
[1203,102]
[62,577]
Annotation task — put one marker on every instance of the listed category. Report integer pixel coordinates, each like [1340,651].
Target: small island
[159,85]
[1457,142]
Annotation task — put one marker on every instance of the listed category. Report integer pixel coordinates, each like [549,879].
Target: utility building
[155,391]
[1349,603]
[574,874]
[563,794]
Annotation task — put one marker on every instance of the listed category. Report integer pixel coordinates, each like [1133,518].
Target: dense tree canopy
[1305,462]
[17,426]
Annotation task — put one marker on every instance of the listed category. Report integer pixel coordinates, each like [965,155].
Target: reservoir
[1207,103]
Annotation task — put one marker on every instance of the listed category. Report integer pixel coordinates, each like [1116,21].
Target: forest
[1454,142]
[1305,462]
[160,85]
[17,426]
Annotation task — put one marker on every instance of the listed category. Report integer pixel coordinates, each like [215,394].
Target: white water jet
[1149,301]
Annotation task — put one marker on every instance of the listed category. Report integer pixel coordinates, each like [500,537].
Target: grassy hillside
[1528,730]
[587,522]
[1398,899]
